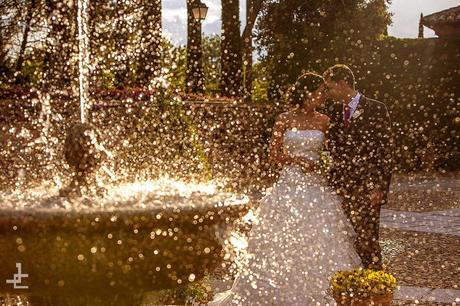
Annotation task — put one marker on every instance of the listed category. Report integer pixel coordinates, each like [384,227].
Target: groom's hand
[376,197]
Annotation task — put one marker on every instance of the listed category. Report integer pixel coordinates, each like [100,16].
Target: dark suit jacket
[362,152]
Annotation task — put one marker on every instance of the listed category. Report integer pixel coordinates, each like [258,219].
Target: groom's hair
[340,72]
[307,82]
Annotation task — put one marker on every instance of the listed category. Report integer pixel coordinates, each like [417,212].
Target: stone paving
[418,294]
[444,222]
[439,184]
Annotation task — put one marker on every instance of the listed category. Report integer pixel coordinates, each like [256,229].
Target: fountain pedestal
[84,153]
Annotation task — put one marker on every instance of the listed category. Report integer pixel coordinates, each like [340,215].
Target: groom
[360,145]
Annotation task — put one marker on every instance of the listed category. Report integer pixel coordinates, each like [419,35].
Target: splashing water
[83,57]
[47,139]
[163,193]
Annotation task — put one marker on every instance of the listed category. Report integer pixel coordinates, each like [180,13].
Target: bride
[302,236]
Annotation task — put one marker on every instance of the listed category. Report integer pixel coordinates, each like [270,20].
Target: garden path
[438,229]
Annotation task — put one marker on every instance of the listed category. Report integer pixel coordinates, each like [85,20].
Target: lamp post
[196,11]
[200,11]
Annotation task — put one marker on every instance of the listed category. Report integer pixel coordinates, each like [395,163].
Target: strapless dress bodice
[304,143]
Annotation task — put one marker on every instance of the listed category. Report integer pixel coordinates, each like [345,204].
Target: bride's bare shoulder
[324,121]
[322,117]
[284,117]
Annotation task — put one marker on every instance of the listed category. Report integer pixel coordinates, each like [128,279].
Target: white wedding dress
[301,239]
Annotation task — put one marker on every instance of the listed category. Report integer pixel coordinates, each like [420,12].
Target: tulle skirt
[300,239]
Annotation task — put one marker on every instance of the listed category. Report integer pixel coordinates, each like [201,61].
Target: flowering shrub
[324,162]
[206,98]
[134,94]
[17,93]
[197,293]
[166,141]
[363,283]
[101,94]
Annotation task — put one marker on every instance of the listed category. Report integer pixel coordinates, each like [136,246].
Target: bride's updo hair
[307,83]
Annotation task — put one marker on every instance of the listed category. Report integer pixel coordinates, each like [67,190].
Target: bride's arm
[326,127]
[276,153]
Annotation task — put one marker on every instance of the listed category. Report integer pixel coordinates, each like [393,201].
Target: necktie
[346,115]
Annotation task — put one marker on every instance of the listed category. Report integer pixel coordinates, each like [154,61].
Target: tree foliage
[174,61]
[125,42]
[211,63]
[231,54]
[21,27]
[39,40]
[298,35]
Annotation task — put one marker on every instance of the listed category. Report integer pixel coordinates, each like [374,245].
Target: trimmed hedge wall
[419,81]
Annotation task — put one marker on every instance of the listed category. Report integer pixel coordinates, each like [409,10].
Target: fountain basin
[99,251]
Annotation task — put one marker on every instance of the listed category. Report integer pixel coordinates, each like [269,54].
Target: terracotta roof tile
[451,15]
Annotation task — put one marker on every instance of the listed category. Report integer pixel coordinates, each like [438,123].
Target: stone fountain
[84,153]
[77,248]
[140,237]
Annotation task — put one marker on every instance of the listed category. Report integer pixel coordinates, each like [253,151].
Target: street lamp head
[200,11]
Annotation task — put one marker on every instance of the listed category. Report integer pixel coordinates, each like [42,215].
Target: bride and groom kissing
[309,225]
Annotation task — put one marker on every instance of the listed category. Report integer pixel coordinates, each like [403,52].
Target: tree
[30,8]
[194,80]
[231,81]
[8,27]
[125,41]
[19,21]
[298,35]
[211,63]
[148,54]
[174,61]
[59,64]
[253,8]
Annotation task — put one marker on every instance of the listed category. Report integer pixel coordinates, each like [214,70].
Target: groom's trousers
[365,218]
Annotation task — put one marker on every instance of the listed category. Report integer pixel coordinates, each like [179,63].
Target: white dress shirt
[354,105]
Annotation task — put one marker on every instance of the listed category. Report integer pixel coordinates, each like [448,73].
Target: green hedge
[419,81]
[165,142]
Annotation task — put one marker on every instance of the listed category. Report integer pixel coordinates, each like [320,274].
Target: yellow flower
[363,282]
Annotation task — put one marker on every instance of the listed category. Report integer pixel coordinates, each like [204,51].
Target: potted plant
[198,293]
[363,287]
[192,294]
